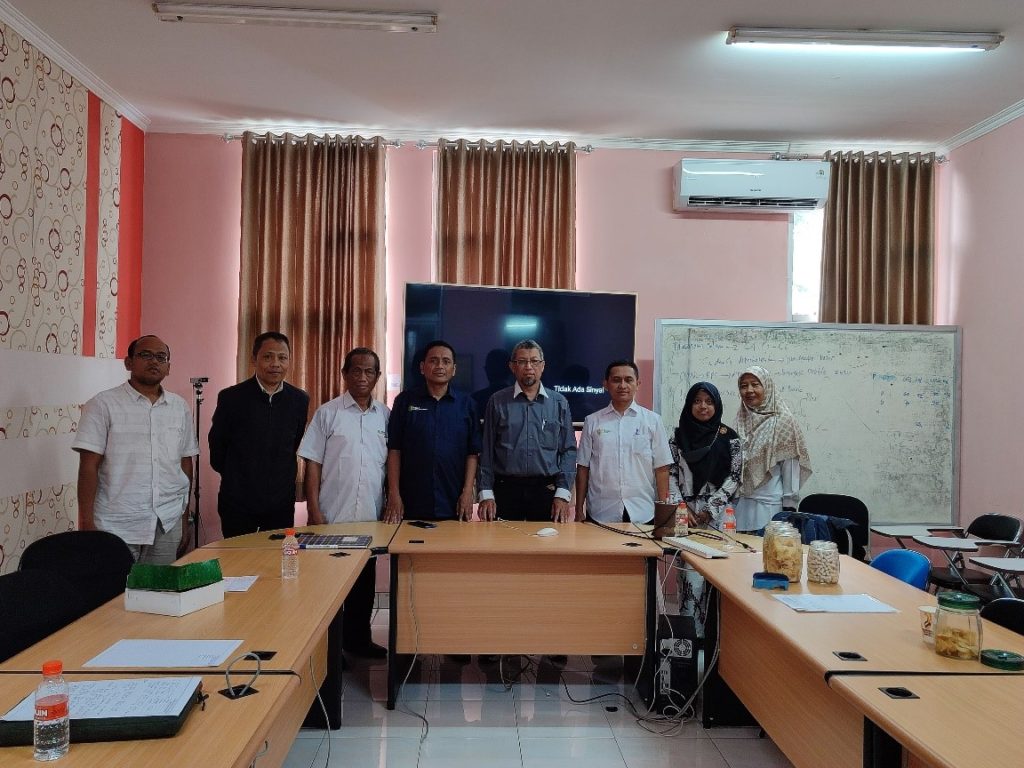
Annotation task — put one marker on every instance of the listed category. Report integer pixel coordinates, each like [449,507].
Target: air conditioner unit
[750,186]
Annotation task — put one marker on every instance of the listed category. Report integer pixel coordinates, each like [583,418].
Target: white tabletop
[906,531]
[949,543]
[1001,564]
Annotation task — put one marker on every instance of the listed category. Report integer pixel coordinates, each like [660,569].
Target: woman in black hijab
[707,463]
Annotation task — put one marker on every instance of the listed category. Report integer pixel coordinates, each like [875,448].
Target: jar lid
[959,601]
[1006,660]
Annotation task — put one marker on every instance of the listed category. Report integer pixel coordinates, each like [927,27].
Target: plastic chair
[96,563]
[853,541]
[906,565]
[1006,612]
[991,526]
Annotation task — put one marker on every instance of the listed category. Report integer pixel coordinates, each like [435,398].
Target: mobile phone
[422,524]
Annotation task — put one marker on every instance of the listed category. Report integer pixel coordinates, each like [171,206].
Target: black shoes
[370,650]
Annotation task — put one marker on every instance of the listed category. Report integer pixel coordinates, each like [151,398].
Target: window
[805,272]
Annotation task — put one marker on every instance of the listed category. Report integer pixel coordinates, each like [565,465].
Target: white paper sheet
[137,697]
[835,604]
[239,583]
[159,654]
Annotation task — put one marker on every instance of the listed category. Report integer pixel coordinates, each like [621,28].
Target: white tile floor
[477,723]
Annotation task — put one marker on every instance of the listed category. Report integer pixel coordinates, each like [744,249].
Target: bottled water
[51,733]
[290,555]
[729,529]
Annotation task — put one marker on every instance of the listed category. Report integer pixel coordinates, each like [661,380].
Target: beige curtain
[507,214]
[878,247]
[312,252]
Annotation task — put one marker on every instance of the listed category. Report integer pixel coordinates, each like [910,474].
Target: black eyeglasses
[160,357]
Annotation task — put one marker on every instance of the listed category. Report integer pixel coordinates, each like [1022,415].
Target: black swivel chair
[1006,612]
[991,526]
[33,605]
[849,507]
[96,563]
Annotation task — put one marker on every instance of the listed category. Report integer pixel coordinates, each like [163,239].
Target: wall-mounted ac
[750,186]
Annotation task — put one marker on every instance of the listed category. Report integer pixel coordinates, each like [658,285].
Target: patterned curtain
[878,249]
[312,252]
[507,214]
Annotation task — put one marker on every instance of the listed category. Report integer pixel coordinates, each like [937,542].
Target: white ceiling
[606,72]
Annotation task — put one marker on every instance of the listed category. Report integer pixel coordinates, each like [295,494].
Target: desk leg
[330,690]
[393,634]
[649,661]
[721,707]
[880,749]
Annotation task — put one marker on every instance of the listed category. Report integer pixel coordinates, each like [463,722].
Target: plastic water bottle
[51,732]
[682,520]
[729,529]
[290,555]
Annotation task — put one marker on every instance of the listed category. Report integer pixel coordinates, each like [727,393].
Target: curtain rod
[229,137]
[783,156]
[586,150]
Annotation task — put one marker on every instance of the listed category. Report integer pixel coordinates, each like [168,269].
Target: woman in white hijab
[775,458]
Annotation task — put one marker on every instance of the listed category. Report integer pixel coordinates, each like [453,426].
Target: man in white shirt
[624,455]
[135,446]
[345,447]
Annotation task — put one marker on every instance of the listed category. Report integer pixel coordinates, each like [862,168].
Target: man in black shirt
[256,431]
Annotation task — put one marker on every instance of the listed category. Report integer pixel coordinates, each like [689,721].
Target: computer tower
[675,670]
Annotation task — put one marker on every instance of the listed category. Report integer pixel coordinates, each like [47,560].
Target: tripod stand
[197,392]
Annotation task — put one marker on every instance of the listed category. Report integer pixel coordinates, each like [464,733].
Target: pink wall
[986,272]
[191,235]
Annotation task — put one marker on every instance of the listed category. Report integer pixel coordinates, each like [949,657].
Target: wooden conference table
[227,732]
[498,588]
[289,619]
[780,662]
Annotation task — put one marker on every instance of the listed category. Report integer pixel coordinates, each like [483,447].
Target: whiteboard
[879,405]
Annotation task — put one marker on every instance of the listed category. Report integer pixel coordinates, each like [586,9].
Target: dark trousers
[524,498]
[358,608]
[235,522]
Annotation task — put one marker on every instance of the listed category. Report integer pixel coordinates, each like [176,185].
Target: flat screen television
[580,333]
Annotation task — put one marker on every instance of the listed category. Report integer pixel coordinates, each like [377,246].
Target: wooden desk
[778,661]
[499,588]
[382,534]
[957,721]
[906,531]
[227,734]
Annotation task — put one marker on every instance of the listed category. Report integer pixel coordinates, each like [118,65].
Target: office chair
[1006,612]
[96,563]
[854,540]
[904,564]
[33,605]
[991,526]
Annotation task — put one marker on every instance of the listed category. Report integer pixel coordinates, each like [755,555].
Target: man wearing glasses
[345,448]
[528,455]
[135,446]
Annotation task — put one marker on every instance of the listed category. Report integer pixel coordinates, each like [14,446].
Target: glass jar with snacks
[823,562]
[958,626]
[767,545]
[786,555]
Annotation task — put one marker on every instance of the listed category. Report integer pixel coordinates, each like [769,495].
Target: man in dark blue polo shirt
[433,445]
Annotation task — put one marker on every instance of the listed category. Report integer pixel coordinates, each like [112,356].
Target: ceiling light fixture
[219,13]
[966,41]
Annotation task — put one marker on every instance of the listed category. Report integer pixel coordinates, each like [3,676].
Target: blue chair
[905,565]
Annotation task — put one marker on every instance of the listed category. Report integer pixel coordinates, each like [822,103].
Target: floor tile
[624,725]
[570,753]
[366,719]
[492,751]
[671,752]
[752,753]
[355,753]
[560,719]
[744,732]
[470,718]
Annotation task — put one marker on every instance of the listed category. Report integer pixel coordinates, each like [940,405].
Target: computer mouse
[547,532]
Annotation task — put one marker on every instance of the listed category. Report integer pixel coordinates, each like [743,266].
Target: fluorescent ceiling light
[219,13]
[888,38]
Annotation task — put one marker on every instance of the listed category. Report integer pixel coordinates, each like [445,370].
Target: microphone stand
[197,391]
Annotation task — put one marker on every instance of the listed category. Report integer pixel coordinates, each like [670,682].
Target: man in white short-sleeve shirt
[624,455]
[346,450]
[135,445]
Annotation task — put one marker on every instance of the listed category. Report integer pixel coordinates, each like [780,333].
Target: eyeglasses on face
[160,357]
[524,363]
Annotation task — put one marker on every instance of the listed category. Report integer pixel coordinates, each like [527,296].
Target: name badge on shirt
[416,408]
